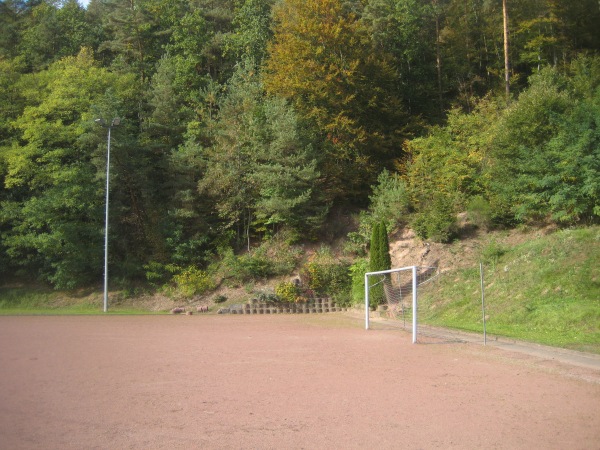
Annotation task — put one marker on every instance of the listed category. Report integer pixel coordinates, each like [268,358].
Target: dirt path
[258,382]
[567,361]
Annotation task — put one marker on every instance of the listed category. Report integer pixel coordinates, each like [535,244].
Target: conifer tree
[375,260]
[376,288]
[384,250]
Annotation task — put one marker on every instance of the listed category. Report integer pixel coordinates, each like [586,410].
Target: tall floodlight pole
[115,122]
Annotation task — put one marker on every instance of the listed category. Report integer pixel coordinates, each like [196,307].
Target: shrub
[357,274]
[390,200]
[479,212]
[325,275]
[275,256]
[436,222]
[389,203]
[157,273]
[192,281]
[220,298]
[492,252]
[266,296]
[287,291]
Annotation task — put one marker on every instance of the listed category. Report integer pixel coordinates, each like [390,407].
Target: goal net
[397,289]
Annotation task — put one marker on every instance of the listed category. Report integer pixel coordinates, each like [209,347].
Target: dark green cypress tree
[375,264]
[384,251]
[375,249]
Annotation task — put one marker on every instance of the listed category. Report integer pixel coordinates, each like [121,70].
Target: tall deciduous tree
[52,214]
[321,59]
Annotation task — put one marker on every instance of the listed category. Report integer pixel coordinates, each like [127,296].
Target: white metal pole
[483,303]
[366,302]
[106,225]
[414,304]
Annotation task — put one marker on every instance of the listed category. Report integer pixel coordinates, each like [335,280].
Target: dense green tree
[406,29]
[52,209]
[133,35]
[547,146]
[11,12]
[179,215]
[451,159]
[205,152]
[53,30]
[321,60]
[252,29]
[262,170]
[449,166]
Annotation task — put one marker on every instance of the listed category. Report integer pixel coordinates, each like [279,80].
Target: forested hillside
[246,124]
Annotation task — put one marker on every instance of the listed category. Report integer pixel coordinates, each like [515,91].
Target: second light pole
[115,122]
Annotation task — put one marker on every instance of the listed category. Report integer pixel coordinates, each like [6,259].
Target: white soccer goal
[398,289]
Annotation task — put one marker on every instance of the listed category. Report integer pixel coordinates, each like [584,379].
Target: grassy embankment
[546,290]
[43,301]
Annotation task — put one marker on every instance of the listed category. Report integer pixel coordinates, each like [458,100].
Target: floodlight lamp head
[116,122]
[100,121]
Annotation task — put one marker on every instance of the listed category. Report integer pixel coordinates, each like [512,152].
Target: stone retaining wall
[317,305]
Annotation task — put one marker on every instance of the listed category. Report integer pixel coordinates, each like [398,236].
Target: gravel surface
[279,382]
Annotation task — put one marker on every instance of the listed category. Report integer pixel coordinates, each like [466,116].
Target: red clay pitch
[276,382]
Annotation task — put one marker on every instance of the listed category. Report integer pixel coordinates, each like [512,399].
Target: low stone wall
[314,306]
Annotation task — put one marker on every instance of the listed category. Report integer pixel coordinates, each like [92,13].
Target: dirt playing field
[277,382]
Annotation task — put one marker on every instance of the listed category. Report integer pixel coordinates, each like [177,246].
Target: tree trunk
[438,58]
[506,58]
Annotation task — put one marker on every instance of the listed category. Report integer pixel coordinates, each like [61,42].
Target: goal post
[396,287]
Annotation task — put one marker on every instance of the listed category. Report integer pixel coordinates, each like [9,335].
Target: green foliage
[384,250]
[357,274]
[321,60]
[192,281]
[451,161]
[548,144]
[242,120]
[248,267]
[273,257]
[42,40]
[158,274]
[406,29]
[287,291]
[53,216]
[375,259]
[262,172]
[326,275]
[480,212]
[220,299]
[389,203]
[437,222]
[379,260]
[390,200]
[252,22]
